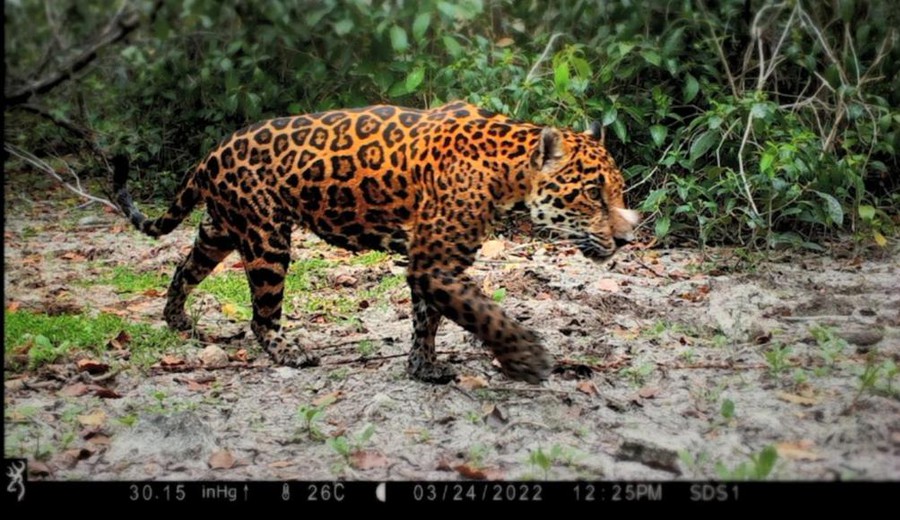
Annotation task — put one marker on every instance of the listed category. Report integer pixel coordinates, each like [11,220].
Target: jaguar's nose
[624,239]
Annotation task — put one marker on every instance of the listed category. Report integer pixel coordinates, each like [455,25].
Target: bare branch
[740,157]
[46,168]
[75,129]
[534,68]
[121,24]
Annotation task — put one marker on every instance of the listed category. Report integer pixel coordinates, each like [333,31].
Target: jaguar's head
[577,192]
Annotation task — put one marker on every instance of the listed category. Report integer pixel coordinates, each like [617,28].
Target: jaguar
[424,183]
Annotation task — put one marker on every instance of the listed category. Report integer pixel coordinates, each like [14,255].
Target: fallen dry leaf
[99,439]
[14,384]
[79,453]
[106,393]
[494,415]
[648,392]
[345,280]
[231,311]
[121,341]
[222,459]
[366,459]
[797,399]
[492,248]
[282,464]
[13,306]
[240,355]
[92,366]
[113,310]
[800,450]
[171,361]
[76,390]
[472,382]
[153,293]
[588,387]
[95,418]
[73,256]
[698,294]
[608,285]
[194,386]
[37,468]
[328,399]
[475,473]
[505,42]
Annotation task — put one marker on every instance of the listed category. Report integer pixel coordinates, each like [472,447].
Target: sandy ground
[671,364]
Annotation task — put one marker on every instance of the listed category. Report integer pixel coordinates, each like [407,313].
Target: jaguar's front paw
[435,372]
[291,354]
[531,365]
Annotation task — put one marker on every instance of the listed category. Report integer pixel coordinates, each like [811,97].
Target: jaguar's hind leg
[266,263]
[423,363]
[210,248]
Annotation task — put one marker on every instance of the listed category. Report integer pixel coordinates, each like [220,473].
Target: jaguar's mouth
[591,248]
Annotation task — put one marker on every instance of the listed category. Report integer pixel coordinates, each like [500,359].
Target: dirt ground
[671,364]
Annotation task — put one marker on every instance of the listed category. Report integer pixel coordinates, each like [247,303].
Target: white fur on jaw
[631,216]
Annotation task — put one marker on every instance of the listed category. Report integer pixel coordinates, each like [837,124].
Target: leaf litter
[662,338]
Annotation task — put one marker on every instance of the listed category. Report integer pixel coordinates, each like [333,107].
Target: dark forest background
[746,122]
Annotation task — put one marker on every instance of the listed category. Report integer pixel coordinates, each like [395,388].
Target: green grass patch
[370,258]
[126,280]
[304,276]
[51,338]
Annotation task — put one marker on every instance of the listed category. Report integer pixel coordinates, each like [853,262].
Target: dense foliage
[740,121]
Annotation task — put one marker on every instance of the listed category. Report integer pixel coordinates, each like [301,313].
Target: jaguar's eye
[594,193]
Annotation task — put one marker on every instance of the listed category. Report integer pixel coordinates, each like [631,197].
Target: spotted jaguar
[426,184]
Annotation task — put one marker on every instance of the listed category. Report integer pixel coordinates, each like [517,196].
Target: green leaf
[561,76]
[621,132]
[610,116]
[420,25]
[654,199]
[766,462]
[766,162]
[582,68]
[398,89]
[848,7]
[415,79]
[832,208]
[662,226]
[343,27]
[314,17]
[398,39]
[691,87]
[625,47]
[728,408]
[366,434]
[454,49]
[703,143]
[866,212]
[652,57]
[658,133]
[447,8]
[761,110]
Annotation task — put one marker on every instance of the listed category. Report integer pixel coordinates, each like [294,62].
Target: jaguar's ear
[549,150]
[596,131]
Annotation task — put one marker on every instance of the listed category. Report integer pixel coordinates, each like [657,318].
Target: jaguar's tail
[187,197]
